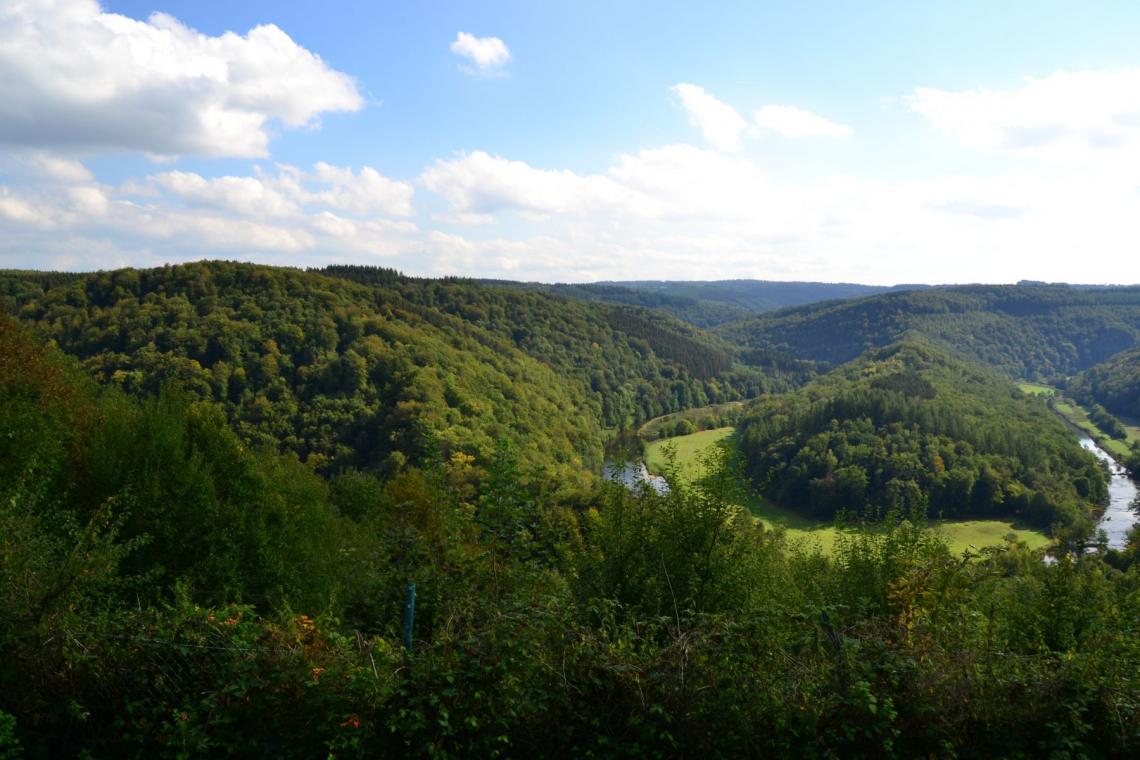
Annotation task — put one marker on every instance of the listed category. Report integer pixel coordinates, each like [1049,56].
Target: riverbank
[1078,418]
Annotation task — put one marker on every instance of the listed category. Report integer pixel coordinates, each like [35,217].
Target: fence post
[409,616]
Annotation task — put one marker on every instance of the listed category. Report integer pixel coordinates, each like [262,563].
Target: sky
[882,143]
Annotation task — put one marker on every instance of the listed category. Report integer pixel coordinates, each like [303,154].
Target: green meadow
[1035,389]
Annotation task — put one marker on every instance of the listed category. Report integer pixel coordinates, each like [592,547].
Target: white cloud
[488,54]
[1066,117]
[364,192]
[13,208]
[44,167]
[672,211]
[240,195]
[677,182]
[793,122]
[685,212]
[327,214]
[77,78]
[719,122]
[479,184]
[288,193]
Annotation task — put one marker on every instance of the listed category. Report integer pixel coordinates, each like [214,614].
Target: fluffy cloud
[678,182]
[673,211]
[724,128]
[78,78]
[488,54]
[682,211]
[288,193]
[793,122]
[719,122]
[1064,117]
[327,214]
[478,185]
[364,192]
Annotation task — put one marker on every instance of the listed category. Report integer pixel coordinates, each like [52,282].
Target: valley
[245,473]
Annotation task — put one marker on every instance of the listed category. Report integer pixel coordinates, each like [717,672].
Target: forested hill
[696,311]
[907,427]
[1114,384]
[368,376]
[637,362]
[1026,331]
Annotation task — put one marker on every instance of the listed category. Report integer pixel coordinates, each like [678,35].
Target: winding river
[633,473]
[1119,516]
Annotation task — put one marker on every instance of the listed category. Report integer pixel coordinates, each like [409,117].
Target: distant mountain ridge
[1026,331]
[707,303]
[760,295]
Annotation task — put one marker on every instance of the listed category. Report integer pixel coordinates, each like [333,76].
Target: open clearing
[1035,389]
[689,449]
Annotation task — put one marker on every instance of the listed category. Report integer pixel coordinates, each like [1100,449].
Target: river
[632,474]
[1120,515]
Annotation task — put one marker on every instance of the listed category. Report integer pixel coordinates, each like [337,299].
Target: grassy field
[688,450]
[1033,389]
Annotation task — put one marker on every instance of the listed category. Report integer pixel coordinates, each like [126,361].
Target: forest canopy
[908,428]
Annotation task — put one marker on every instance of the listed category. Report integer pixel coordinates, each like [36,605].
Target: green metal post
[409,616]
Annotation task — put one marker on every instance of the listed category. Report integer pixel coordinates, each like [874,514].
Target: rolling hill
[373,372]
[1027,331]
[907,428]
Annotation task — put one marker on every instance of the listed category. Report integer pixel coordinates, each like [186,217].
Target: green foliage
[634,364]
[9,741]
[1115,384]
[391,370]
[690,549]
[907,428]
[172,590]
[342,375]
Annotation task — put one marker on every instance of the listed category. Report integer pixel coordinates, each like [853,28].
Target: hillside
[1026,331]
[636,363]
[696,311]
[908,428]
[347,374]
[1114,384]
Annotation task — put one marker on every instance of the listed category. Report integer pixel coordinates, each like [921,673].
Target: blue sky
[875,142]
